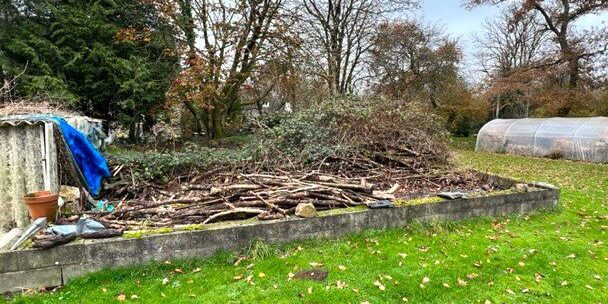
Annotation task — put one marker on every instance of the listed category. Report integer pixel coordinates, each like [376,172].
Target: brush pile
[339,154]
[269,196]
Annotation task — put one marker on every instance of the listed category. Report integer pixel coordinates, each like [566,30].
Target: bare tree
[507,48]
[225,42]
[507,45]
[339,34]
[558,18]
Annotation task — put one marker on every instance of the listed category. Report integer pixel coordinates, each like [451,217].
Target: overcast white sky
[463,24]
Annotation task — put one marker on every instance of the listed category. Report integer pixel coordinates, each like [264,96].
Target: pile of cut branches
[341,153]
[355,134]
[233,196]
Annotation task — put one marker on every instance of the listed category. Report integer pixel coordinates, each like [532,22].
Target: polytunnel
[572,138]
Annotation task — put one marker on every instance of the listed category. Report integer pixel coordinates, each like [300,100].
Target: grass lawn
[557,257]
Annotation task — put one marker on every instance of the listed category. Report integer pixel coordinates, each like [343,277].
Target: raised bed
[55,266]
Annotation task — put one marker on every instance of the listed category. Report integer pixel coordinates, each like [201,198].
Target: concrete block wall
[56,266]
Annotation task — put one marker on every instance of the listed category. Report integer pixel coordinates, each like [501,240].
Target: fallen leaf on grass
[471,276]
[446,285]
[239,260]
[134,297]
[564,283]
[237,277]
[261,274]
[196,270]
[165,281]
[315,264]
[462,282]
[121,297]
[342,267]
[340,284]
[571,256]
[379,285]
[178,270]
[425,280]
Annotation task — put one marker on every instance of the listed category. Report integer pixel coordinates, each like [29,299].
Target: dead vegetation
[341,154]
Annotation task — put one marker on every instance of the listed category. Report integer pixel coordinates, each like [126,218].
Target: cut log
[233,213]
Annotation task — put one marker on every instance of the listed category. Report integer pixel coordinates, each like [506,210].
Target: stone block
[34,278]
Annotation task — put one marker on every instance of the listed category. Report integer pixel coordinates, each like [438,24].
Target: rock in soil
[521,187]
[306,210]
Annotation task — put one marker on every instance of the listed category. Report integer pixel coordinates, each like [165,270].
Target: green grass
[557,257]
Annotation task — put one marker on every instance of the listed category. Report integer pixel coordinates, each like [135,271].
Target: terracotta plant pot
[41,204]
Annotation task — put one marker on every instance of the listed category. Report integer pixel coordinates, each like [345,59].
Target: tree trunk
[573,71]
[218,124]
[497,112]
[132,132]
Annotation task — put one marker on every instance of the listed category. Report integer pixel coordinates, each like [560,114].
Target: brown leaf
[121,297]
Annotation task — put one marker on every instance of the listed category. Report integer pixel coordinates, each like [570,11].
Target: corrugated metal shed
[28,162]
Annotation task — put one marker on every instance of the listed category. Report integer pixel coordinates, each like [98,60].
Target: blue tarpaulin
[90,162]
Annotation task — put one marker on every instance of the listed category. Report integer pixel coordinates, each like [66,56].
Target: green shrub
[163,166]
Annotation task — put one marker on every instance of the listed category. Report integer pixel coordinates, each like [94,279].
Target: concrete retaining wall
[56,266]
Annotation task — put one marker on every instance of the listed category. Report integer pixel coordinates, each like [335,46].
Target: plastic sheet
[571,138]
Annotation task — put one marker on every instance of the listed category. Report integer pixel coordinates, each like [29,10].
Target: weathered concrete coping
[55,266]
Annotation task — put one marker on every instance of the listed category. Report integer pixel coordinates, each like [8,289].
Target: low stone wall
[55,266]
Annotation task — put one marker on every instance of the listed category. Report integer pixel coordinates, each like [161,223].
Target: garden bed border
[34,268]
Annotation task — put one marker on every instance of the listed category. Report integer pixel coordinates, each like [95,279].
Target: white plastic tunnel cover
[572,138]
